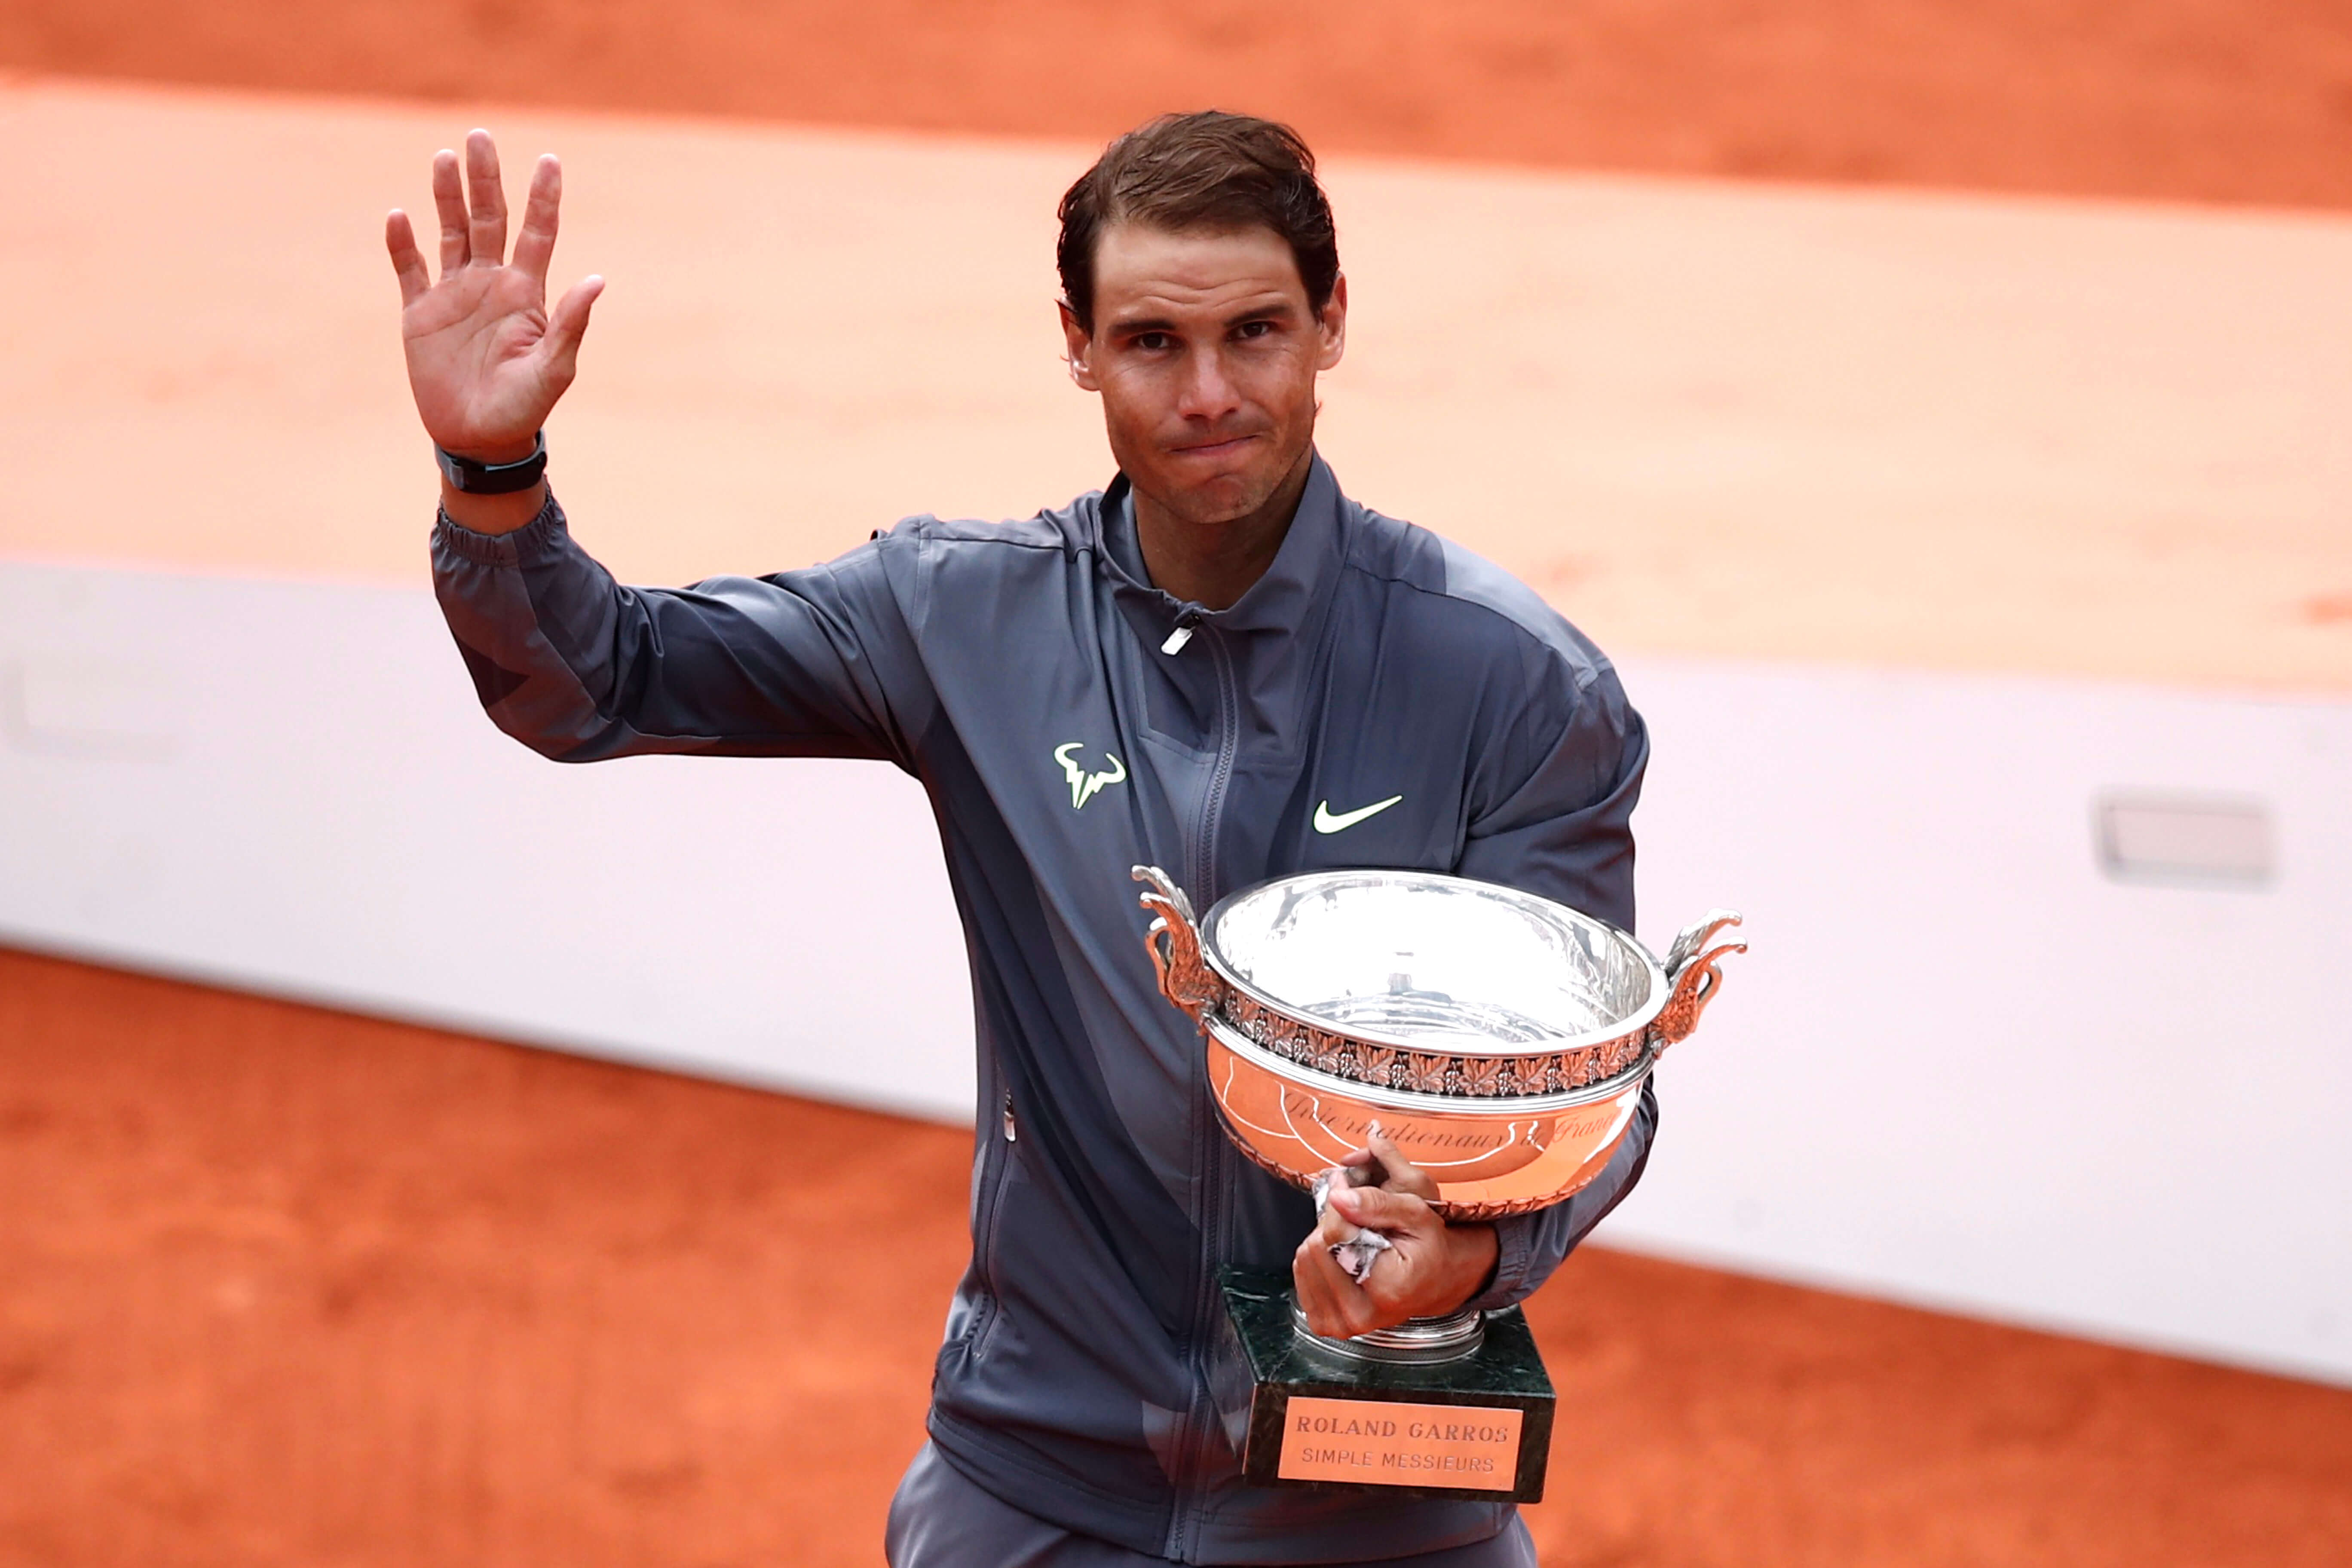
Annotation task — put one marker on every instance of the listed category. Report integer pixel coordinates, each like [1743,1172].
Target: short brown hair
[1203,170]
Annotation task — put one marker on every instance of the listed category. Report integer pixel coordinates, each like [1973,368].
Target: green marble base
[1476,1428]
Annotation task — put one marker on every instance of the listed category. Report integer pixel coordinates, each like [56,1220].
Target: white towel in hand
[1354,1255]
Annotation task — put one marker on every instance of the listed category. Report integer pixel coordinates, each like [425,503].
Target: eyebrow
[1259,312]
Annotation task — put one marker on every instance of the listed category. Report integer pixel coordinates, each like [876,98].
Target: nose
[1208,393]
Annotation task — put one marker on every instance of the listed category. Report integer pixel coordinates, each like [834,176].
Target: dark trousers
[939,1519]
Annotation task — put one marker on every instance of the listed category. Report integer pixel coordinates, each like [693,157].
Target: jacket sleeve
[1564,829]
[817,662]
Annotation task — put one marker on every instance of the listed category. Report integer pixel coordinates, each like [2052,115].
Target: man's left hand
[1430,1269]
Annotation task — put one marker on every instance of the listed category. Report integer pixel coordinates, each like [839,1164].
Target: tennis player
[1219,664]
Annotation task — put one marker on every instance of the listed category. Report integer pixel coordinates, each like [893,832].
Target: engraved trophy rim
[1502,1107]
[1638,1021]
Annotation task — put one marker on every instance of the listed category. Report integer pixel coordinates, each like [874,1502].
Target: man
[1219,665]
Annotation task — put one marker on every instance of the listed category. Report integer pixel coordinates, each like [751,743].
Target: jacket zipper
[1205,854]
[994,1175]
[1201,1415]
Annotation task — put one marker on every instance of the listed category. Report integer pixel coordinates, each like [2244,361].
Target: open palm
[487,361]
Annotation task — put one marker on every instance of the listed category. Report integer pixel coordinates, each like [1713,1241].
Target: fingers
[1385,1210]
[470,201]
[487,210]
[561,347]
[450,206]
[535,241]
[1404,1175]
[407,261]
[1333,1228]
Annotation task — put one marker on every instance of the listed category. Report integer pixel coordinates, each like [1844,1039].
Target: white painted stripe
[337,821]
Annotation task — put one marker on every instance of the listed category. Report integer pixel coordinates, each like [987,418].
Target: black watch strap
[494,479]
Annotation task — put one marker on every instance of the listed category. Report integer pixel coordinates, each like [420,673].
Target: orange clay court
[292,1286]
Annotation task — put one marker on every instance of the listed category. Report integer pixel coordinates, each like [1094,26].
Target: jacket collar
[1293,595]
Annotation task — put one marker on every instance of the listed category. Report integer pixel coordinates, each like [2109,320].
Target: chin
[1210,505]
[1218,497]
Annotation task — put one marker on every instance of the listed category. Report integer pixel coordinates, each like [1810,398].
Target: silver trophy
[1501,1041]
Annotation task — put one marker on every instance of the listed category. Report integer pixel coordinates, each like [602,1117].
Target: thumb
[561,347]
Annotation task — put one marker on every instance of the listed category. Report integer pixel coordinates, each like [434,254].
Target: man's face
[1205,352]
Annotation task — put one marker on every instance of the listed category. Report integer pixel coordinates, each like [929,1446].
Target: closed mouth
[1214,448]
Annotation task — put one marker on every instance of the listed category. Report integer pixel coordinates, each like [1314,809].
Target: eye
[1152,342]
[1254,329]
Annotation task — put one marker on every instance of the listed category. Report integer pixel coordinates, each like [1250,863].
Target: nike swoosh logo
[1325,822]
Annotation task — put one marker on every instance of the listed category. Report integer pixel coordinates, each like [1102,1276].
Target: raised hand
[485,359]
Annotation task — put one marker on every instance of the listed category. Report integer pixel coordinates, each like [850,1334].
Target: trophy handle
[1693,975]
[1174,942]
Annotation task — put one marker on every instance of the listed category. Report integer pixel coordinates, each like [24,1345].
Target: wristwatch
[494,479]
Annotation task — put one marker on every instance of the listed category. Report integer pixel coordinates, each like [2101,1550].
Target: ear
[1078,345]
[1332,326]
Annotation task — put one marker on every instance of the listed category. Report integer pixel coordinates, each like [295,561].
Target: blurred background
[1939,410]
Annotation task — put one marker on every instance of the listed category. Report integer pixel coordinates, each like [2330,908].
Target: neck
[1212,564]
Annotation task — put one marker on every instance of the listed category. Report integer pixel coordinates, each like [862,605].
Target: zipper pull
[1178,639]
[1011,1128]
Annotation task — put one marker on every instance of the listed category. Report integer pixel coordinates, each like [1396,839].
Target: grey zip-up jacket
[1030,676]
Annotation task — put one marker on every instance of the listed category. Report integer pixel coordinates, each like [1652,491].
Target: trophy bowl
[1499,1040]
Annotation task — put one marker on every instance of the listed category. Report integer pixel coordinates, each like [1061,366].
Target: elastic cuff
[533,538]
[1514,1246]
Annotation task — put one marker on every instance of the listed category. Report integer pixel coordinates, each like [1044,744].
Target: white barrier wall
[1964,1065]
[290,787]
